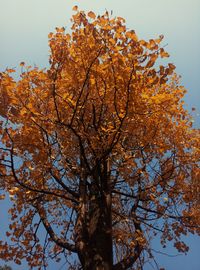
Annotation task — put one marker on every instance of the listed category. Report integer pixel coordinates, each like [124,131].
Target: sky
[25,24]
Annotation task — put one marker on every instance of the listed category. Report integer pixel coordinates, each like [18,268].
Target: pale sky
[25,24]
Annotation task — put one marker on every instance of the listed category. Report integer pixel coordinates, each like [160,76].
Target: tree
[97,150]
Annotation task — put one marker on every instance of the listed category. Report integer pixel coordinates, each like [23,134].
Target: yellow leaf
[145,96]
[92,81]
[50,35]
[119,48]
[71,101]
[65,95]
[31,168]
[131,35]
[23,111]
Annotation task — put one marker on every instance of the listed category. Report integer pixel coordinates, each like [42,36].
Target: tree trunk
[95,226]
[97,253]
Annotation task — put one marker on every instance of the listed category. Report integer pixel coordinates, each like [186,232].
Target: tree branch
[59,241]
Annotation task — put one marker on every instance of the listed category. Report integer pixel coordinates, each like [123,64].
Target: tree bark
[95,226]
[96,253]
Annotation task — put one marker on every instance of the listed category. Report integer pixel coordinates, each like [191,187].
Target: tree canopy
[97,151]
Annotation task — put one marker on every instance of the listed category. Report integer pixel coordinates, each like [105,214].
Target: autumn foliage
[97,151]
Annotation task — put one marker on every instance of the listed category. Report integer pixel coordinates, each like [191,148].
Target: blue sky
[25,24]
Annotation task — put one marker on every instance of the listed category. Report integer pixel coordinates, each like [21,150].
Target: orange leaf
[91,15]
[75,8]
[163,53]
[171,66]
[10,70]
